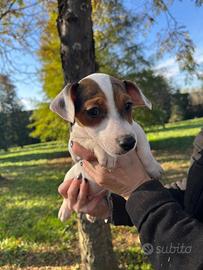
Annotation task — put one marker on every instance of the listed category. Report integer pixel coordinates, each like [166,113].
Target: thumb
[88,167]
[93,170]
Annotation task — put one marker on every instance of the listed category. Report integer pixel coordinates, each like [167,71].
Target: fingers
[82,196]
[82,152]
[63,188]
[89,168]
[76,193]
[73,192]
[96,172]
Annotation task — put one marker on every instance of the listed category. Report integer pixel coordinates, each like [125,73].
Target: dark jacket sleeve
[170,237]
[120,215]
[193,199]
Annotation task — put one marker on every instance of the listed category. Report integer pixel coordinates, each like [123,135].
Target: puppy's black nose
[126,142]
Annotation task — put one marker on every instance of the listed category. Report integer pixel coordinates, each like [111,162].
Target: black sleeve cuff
[178,195]
[145,199]
[119,213]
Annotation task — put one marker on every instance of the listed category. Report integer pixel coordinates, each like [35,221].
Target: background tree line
[14,120]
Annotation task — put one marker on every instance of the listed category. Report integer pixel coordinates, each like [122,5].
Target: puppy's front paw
[104,159]
[64,212]
[155,171]
[107,161]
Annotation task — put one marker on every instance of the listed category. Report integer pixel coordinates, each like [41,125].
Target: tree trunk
[78,60]
[76,34]
[96,245]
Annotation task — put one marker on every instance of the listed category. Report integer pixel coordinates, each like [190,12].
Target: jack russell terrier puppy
[99,107]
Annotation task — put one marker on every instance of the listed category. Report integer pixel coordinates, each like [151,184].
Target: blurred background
[158,44]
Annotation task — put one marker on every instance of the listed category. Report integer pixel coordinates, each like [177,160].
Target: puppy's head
[102,105]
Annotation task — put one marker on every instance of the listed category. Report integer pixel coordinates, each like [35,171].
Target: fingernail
[79,177]
[81,163]
[71,143]
[86,180]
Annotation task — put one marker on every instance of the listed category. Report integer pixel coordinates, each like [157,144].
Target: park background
[149,42]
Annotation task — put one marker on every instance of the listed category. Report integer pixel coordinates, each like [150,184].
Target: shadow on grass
[133,258]
[24,258]
[176,143]
[34,181]
[35,156]
[36,225]
[173,176]
[22,222]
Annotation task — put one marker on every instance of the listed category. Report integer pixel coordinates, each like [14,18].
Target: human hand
[82,152]
[76,192]
[127,176]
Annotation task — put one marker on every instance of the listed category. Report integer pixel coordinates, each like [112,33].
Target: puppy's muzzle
[126,142]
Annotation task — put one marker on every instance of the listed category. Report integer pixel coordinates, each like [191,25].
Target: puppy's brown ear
[63,104]
[136,94]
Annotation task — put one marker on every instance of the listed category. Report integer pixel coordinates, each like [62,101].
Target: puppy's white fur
[102,139]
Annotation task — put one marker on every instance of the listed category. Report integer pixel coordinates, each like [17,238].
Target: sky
[186,14]
[29,88]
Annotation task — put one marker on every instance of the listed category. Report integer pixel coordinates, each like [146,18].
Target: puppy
[99,107]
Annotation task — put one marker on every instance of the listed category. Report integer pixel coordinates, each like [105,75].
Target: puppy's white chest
[80,136]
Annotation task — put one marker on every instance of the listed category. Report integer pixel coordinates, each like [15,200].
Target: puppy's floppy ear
[136,94]
[63,103]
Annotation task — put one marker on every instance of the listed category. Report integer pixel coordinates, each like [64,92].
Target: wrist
[142,182]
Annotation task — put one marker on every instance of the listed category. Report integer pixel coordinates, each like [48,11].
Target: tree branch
[8,10]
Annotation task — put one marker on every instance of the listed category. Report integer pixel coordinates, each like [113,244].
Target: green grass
[31,236]
[30,233]
[176,136]
[36,152]
[172,147]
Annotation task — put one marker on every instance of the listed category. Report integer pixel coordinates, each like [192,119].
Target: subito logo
[147,249]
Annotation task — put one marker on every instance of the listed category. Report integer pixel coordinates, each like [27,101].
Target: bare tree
[21,23]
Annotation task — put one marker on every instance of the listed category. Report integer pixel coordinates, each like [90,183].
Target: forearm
[194,191]
[119,214]
[162,223]
[121,217]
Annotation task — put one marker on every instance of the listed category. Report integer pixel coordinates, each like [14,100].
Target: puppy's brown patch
[121,99]
[86,96]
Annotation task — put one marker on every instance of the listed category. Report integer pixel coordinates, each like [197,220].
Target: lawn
[31,236]
[172,146]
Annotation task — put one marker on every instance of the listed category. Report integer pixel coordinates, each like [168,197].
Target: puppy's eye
[94,112]
[128,106]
